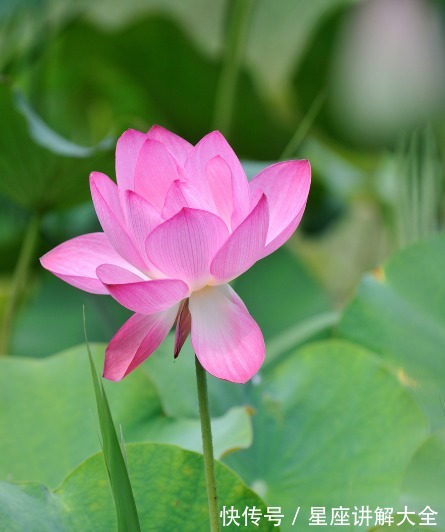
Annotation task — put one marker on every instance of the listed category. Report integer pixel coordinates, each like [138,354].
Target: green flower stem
[207,445]
[19,281]
[235,39]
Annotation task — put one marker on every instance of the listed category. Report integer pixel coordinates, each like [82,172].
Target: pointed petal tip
[307,163]
[46,259]
[130,132]
[217,133]
[129,194]
[306,167]
[244,246]
[96,175]
[157,127]
[99,180]
[110,377]
[92,178]
[76,260]
[110,373]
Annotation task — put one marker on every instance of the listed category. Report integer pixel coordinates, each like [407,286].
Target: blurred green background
[356,87]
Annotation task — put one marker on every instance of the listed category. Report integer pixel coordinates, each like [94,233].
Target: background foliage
[348,408]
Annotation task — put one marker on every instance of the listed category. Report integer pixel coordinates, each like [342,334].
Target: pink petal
[244,246]
[142,218]
[208,147]
[183,246]
[112,223]
[156,170]
[76,261]
[128,147]
[176,145]
[236,298]
[179,195]
[219,178]
[284,235]
[135,341]
[226,339]
[145,297]
[286,186]
[110,274]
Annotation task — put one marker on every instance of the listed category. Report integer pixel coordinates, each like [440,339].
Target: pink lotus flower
[181,223]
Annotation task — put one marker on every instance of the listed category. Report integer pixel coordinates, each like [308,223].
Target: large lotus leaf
[40,169]
[144,73]
[399,313]
[47,425]
[168,484]
[332,428]
[423,488]
[424,483]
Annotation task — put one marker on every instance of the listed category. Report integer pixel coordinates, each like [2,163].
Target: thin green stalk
[304,127]
[403,199]
[414,186]
[207,446]
[18,281]
[430,184]
[236,38]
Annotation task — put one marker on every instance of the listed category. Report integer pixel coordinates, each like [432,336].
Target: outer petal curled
[286,186]
[146,297]
[226,339]
[135,341]
[76,261]
[244,246]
